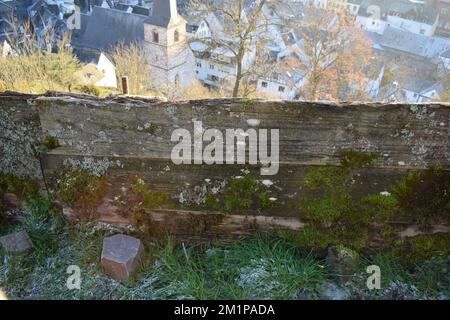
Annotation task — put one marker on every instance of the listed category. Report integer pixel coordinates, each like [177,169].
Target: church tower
[170,58]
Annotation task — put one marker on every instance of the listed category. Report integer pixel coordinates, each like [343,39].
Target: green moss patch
[337,218]
[50,143]
[21,187]
[353,159]
[242,195]
[418,249]
[424,196]
[82,191]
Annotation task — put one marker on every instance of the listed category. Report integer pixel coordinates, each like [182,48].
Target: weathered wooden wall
[310,134]
[127,137]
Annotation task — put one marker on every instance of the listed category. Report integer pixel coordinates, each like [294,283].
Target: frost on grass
[259,277]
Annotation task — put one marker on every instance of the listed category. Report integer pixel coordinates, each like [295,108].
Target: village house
[99,70]
[421,91]
[162,35]
[216,67]
[415,17]
[443,27]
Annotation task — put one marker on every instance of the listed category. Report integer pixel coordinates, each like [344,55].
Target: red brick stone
[121,255]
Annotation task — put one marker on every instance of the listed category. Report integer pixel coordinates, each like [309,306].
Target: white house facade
[107,68]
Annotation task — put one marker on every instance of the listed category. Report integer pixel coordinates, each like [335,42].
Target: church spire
[165,9]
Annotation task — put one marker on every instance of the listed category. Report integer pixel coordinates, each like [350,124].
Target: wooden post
[125,85]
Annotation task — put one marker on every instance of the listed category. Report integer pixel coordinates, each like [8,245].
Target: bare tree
[131,61]
[333,53]
[243,30]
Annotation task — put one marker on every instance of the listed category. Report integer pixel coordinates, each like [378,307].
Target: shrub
[90,89]
[353,159]
[424,196]
[50,143]
[38,71]
[21,187]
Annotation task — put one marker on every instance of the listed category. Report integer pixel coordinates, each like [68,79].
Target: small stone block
[11,201]
[18,242]
[121,255]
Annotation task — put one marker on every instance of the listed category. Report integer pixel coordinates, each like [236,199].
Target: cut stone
[18,242]
[121,255]
[11,201]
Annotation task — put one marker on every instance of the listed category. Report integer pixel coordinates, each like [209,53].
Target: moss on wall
[424,196]
[81,190]
[420,248]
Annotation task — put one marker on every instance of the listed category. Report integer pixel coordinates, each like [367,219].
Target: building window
[281,89]
[176,36]
[264,84]
[155,37]
[211,66]
[199,64]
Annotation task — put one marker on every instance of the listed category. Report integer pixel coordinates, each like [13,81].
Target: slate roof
[412,43]
[413,11]
[403,8]
[355,1]
[105,28]
[421,86]
[134,9]
[446,54]
[19,7]
[161,13]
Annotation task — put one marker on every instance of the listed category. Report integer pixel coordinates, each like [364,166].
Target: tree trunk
[237,83]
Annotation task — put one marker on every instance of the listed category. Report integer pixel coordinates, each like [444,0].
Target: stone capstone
[17,242]
[121,255]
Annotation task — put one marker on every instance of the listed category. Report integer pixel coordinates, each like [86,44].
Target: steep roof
[414,11]
[412,43]
[421,86]
[163,12]
[106,27]
[403,8]
[445,54]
